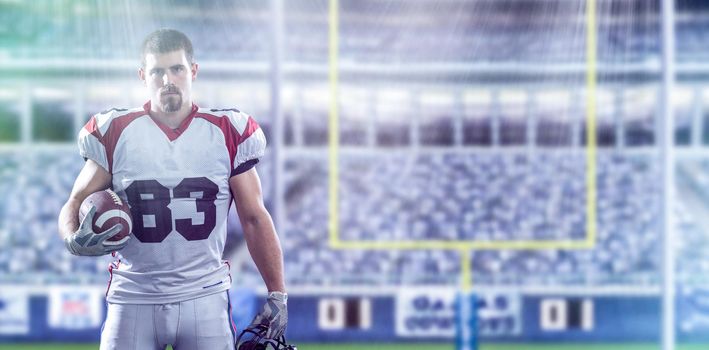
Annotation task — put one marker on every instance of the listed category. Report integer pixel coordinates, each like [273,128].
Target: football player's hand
[273,315]
[89,243]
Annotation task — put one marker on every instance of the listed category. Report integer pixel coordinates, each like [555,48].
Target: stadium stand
[478,197]
[415,206]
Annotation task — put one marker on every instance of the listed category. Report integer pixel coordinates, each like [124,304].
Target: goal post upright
[587,243]
[465,247]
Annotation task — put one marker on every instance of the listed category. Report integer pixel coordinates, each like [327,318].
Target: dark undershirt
[244,167]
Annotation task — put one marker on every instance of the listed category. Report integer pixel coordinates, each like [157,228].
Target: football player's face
[168,77]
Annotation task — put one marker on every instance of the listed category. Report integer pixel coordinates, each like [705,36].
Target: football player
[178,166]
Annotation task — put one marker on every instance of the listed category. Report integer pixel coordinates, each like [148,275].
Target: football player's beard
[171,103]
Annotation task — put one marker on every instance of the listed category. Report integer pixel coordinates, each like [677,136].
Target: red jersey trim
[110,139]
[251,127]
[172,134]
[231,136]
[111,266]
[92,128]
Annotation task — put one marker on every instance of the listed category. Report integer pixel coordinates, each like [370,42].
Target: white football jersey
[176,182]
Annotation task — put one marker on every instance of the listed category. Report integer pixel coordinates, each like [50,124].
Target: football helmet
[254,338]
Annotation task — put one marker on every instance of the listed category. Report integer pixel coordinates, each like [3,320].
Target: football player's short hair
[167,40]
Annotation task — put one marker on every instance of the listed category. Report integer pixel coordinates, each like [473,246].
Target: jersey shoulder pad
[237,118]
[103,119]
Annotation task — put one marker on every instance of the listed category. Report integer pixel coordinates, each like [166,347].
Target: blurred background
[454,120]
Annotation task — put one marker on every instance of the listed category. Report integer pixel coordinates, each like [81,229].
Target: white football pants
[198,324]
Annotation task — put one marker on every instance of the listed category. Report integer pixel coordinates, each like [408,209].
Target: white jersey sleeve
[252,148]
[250,142]
[94,139]
[90,144]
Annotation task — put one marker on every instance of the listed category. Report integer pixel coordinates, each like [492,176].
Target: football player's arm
[80,238]
[92,178]
[259,232]
[265,250]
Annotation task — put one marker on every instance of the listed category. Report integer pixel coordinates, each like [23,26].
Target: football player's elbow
[253,221]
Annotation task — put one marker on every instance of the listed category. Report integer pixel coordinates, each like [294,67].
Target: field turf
[568,346]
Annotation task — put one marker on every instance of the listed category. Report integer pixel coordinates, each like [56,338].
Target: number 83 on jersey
[152,217]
